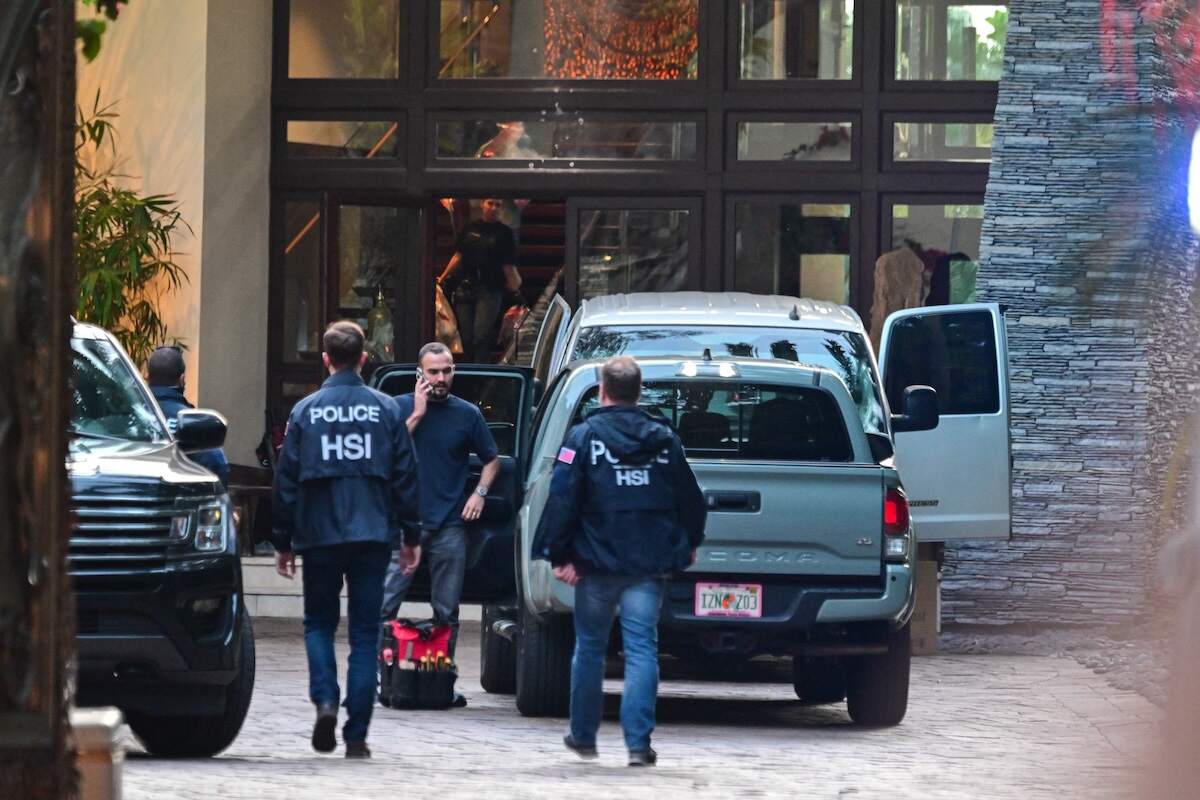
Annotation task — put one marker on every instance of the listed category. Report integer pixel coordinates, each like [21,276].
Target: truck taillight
[895,513]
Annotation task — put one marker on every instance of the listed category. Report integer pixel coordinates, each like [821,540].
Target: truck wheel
[544,649]
[877,686]
[818,681]
[497,656]
[202,736]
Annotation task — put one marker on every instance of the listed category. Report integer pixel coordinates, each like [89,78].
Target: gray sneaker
[585,751]
[643,758]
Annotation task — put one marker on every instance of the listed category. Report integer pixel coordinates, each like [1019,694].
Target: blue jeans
[638,600]
[362,566]
[446,552]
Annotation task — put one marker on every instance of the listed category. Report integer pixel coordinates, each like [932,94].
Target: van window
[745,421]
[845,353]
[953,353]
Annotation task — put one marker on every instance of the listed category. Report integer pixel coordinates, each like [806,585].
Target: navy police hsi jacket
[347,471]
[623,499]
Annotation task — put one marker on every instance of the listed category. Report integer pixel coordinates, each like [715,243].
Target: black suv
[163,631]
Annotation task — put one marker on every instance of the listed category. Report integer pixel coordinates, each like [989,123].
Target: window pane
[805,39]
[953,353]
[643,250]
[302,315]
[373,243]
[747,421]
[793,249]
[630,39]
[942,141]
[350,139]
[344,39]
[536,140]
[793,141]
[946,240]
[845,353]
[940,40]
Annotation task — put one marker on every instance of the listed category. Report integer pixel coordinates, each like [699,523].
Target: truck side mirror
[199,429]
[920,410]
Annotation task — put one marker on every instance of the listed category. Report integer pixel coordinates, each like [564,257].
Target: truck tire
[202,736]
[497,656]
[818,681]
[877,686]
[544,649]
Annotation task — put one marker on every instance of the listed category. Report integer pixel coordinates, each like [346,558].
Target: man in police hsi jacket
[345,490]
[624,512]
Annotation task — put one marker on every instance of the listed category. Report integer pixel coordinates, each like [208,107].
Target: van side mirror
[199,429]
[920,410]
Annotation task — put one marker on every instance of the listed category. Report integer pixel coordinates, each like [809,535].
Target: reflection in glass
[799,39]
[570,138]
[643,250]
[944,40]
[106,400]
[843,352]
[793,249]
[793,141]
[344,39]
[946,239]
[531,39]
[348,139]
[302,281]
[969,142]
[372,242]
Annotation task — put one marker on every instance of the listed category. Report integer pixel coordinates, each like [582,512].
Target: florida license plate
[728,600]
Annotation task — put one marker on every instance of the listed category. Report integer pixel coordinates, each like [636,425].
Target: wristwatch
[481,491]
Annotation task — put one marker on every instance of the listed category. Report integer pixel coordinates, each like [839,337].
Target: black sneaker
[587,751]
[459,701]
[357,750]
[643,758]
[323,740]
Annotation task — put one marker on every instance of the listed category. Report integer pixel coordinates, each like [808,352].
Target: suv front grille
[116,536]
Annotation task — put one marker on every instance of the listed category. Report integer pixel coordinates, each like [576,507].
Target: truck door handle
[748,502]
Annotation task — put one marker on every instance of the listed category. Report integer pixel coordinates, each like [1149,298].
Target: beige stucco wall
[152,66]
[192,82]
[237,145]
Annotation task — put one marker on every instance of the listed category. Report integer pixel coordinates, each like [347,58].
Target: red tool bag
[403,643]
[411,640]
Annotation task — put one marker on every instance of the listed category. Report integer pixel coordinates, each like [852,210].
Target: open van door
[958,476]
[505,396]
[547,360]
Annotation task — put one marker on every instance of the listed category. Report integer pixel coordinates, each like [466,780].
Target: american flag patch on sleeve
[566,455]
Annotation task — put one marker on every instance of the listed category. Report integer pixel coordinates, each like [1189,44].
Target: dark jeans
[446,552]
[476,308]
[361,566]
[638,600]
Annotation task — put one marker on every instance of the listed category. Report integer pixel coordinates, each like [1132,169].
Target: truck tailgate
[792,519]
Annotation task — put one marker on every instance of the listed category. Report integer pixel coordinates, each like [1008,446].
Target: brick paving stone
[981,727]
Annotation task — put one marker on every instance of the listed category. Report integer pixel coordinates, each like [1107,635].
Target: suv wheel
[877,686]
[818,681]
[203,736]
[544,665]
[497,656]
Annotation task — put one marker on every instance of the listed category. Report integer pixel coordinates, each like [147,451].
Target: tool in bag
[414,671]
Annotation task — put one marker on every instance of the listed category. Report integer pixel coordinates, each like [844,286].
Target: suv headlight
[213,524]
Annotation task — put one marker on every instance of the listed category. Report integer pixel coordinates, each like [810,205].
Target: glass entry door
[618,245]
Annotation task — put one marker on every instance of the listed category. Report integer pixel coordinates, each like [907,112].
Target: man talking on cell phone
[445,429]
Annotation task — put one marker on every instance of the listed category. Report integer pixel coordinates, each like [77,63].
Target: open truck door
[548,359]
[958,475]
[505,396]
